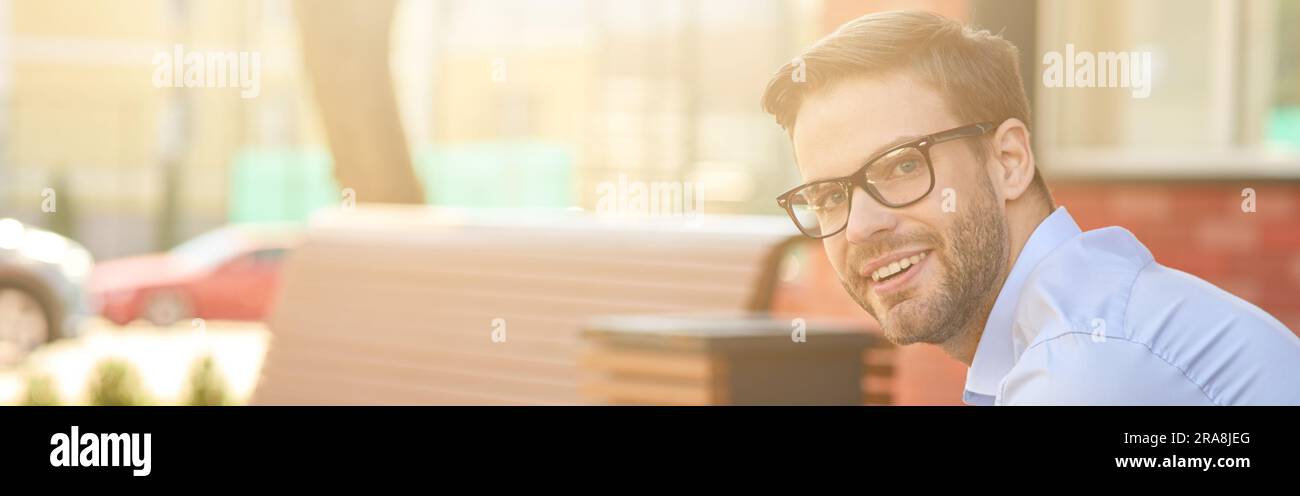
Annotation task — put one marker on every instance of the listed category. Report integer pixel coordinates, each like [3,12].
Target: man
[912,135]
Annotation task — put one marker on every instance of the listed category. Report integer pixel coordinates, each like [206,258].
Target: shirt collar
[994,356]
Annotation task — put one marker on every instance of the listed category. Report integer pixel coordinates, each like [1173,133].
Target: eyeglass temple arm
[964,132]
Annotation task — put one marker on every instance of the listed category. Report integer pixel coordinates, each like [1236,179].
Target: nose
[867,217]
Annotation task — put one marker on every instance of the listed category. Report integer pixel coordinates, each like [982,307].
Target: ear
[1013,167]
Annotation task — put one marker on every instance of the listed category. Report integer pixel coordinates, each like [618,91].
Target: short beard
[969,284]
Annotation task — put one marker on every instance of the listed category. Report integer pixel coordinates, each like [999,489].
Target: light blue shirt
[1090,318]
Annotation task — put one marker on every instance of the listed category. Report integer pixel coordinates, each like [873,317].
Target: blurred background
[536,105]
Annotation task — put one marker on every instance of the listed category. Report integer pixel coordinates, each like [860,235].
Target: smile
[896,267]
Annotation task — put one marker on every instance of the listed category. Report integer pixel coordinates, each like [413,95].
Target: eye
[907,167]
[828,199]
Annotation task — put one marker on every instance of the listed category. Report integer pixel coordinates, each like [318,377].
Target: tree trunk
[345,50]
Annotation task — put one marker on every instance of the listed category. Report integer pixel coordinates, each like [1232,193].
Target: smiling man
[911,132]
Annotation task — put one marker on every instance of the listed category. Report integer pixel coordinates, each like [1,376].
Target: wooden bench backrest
[397,305]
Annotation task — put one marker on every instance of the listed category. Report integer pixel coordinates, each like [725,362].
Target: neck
[1023,216]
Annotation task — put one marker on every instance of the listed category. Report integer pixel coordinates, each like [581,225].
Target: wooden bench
[398,305]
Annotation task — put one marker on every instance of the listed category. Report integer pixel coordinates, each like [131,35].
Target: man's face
[961,251]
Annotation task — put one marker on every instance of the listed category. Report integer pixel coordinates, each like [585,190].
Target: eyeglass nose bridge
[855,183]
[859,181]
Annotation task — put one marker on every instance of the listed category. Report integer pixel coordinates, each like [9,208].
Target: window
[1224,95]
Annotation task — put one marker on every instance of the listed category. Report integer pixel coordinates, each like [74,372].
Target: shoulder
[1101,322]
[1237,352]
[1084,284]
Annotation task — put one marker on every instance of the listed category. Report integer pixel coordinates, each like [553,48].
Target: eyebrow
[874,154]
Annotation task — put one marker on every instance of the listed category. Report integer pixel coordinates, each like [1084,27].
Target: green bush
[41,391]
[207,387]
[115,383]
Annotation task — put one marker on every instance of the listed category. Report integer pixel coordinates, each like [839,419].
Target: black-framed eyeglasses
[897,177]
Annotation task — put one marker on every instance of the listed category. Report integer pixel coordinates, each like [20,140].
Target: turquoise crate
[1284,126]
[278,185]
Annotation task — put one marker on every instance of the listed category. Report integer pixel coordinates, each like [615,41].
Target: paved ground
[162,357]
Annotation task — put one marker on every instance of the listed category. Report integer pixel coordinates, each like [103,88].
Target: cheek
[836,247]
[956,187]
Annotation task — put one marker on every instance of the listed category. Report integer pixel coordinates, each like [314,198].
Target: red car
[229,273]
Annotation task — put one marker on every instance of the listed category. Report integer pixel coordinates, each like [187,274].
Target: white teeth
[896,267]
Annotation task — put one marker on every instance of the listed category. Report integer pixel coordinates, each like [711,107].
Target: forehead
[840,127]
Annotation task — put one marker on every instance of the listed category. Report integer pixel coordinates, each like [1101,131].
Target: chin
[903,324]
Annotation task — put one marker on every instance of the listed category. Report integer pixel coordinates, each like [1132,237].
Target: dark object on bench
[724,359]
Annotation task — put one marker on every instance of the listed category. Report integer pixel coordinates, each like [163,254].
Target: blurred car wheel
[25,319]
[166,307]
